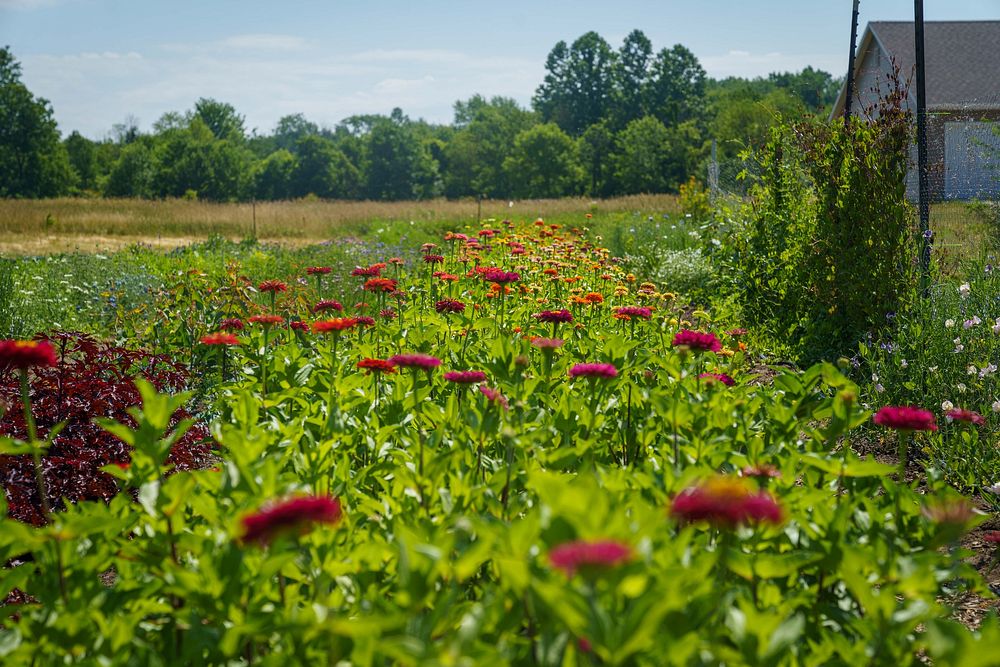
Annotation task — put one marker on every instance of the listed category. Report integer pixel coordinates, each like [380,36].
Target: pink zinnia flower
[696,341]
[762,470]
[968,416]
[231,324]
[465,377]
[433,259]
[591,557]
[635,311]
[328,304]
[905,418]
[298,325]
[295,515]
[547,343]
[718,377]
[554,316]
[369,272]
[220,339]
[593,370]
[494,396]
[725,502]
[24,354]
[415,360]
[500,276]
[365,321]
[318,270]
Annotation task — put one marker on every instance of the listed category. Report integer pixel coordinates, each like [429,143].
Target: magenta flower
[554,316]
[635,311]
[494,396]
[696,341]
[905,418]
[725,502]
[592,370]
[718,377]
[449,306]
[590,557]
[500,276]
[415,360]
[465,377]
[295,515]
[967,416]
[547,344]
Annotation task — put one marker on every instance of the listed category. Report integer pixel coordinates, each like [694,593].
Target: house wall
[873,77]
[963,160]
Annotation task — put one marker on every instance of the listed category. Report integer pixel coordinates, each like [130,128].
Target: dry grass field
[93,225]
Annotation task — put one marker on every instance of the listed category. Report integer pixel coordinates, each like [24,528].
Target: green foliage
[544,163]
[652,157]
[33,162]
[824,255]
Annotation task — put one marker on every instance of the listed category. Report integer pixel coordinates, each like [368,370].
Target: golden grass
[88,224]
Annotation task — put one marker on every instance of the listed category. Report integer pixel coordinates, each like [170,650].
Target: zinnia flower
[299,325]
[433,259]
[718,377]
[328,304]
[554,316]
[220,339]
[762,470]
[494,396]
[547,343]
[318,270]
[905,418]
[635,311]
[379,285]
[24,354]
[231,324]
[272,286]
[593,370]
[365,321]
[465,377]
[968,416]
[725,502]
[449,306]
[376,366]
[267,319]
[415,360]
[590,557]
[696,341]
[370,272]
[500,276]
[295,515]
[335,325]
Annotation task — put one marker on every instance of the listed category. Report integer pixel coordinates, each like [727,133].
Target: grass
[961,234]
[91,225]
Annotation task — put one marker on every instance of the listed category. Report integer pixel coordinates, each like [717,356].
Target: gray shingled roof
[962,58]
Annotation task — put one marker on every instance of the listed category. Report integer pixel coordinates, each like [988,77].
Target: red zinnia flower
[24,354]
[370,272]
[449,306]
[267,319]
[220,339]
[725,502]
[718,377]
[299,325]
[328,304]
[231,324]
[433,259]
[295,515]
[387,313]
[589,556]
[593,371]
[415,360]
[318,270]
[365,321]
[465,377]
[337,324]
[905,418]
[991,536]
[554,316]
[697,341]
[961,415]
[379,284]
[376,366]
[272,286]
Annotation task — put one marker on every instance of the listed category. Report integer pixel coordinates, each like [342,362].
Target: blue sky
[98,61]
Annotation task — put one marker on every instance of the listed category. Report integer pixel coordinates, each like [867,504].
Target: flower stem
[36,450]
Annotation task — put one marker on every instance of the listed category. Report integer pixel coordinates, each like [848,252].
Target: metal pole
[850,62]
[924,204]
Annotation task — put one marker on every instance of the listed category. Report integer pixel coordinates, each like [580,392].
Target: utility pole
[850,62]
[923,203]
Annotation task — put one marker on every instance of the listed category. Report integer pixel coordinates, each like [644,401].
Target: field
[93,225]
[507,442]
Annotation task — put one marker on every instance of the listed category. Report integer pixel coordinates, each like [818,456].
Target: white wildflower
[961,387]
[947,405]
[971,370]
[964,289]
[949,323]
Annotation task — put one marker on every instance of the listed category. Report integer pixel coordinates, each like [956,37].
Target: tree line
[603,122]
